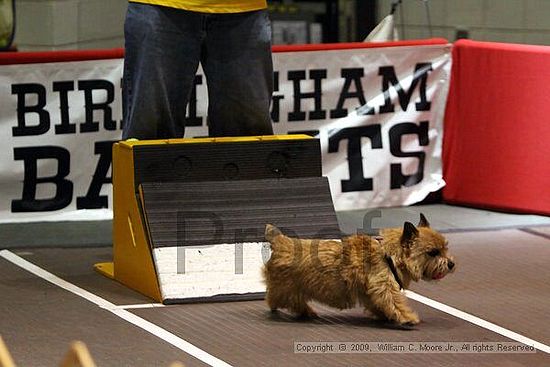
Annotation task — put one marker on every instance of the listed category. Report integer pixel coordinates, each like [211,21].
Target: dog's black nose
[450,264]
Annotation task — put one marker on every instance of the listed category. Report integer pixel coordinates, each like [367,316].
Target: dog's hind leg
[300,307]
[285,299]
[273,300]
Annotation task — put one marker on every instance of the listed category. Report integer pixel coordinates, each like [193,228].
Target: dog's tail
[271,232]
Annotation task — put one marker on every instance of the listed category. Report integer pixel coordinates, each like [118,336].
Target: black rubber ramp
[217,212]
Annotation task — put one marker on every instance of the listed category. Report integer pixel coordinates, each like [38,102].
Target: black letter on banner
[88,86]
[352,75]
[44,117]
[65,127]
[398,179]
[298,75]
[276,99]
[192,119]
[64,187]
[421,71]
[357,181]
[93,200]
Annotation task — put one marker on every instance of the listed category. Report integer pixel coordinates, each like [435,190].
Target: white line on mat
[141,305]
[477,321]
[154,329]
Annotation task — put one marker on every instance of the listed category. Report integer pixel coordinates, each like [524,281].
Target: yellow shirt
[210,6]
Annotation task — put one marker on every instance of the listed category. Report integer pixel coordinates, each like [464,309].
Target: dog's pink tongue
[438,276]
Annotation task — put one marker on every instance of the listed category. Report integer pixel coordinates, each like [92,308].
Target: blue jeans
[163,48]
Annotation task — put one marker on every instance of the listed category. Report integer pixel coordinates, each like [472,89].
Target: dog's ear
[271,232]
[423,221]
[409,233]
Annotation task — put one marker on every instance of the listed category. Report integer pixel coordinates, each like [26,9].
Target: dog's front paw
[410,320]
[378,316]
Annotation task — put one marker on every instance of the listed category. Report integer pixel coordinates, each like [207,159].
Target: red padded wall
[496,151]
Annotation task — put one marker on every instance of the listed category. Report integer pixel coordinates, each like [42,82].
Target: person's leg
[239,72]
[162,52]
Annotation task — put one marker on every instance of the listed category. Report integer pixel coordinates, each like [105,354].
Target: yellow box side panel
[133,259]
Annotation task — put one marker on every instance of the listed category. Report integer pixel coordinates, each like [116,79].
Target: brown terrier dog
[358,270]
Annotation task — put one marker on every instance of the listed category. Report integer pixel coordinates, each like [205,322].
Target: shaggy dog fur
[357,270]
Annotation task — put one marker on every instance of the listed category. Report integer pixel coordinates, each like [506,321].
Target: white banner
[378,113]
